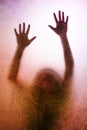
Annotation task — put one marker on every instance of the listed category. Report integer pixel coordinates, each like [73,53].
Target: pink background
[46,50]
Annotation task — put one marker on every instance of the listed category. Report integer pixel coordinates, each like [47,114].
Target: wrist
[20,48]
[63,35]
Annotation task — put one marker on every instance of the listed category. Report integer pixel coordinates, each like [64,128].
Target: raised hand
[61,24]
[22,36]
[23,41]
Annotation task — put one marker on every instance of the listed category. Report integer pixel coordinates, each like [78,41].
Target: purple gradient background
[45,51]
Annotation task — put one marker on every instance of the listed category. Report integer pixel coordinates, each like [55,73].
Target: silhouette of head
[47,79]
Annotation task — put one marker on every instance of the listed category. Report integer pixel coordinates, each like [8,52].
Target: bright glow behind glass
[46,50]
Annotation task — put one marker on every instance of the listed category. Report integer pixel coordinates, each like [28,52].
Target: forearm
[15,64]
[69,62]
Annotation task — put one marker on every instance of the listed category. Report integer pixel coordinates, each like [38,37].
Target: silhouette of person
[49,91]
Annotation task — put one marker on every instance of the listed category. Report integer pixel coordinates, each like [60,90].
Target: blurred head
[47,79]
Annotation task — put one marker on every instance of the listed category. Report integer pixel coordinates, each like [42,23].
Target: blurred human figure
[50,92]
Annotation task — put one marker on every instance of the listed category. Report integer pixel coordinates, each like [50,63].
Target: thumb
[51,27]
[32,39]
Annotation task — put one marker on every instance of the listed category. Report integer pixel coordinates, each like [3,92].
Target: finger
[32,39]
[28,29]
[55,17]
[15,32]
[51,27]
[63,16]
[59,15]
[23,27]
[67,19]
[19,28]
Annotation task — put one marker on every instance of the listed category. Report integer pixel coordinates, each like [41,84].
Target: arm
[22,43]
[61,30]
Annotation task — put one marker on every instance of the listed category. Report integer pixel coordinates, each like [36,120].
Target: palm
[61,28]
[61,25]
[22,39]
[22,36]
